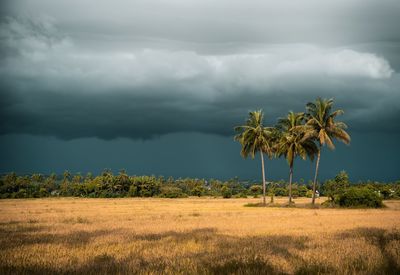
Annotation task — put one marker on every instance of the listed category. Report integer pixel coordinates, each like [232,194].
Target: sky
[156,87]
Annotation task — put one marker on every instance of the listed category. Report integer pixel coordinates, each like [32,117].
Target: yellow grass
[195,235]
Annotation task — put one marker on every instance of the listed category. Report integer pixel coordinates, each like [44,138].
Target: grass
[195,235]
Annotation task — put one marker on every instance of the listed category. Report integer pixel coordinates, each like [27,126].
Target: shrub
[240,195]
[386,192]
[5,196]
[303,191]
[21,194]
[256,190]
[198,191]
[226,192]
[359,197]
[172,192]
[43,192]
[280,191]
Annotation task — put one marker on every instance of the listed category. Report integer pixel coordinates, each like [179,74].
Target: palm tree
[254,137]
[292,143]
[321,125]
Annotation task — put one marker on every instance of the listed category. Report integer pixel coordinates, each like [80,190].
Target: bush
[386,192]
[226,192]
[303,191]
[198,191]
[172,192]
[256,190]
[5,196]
[359,197]
[240,195]
[21,194]
[281,191]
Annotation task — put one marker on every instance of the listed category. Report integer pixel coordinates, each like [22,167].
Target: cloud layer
[55,82]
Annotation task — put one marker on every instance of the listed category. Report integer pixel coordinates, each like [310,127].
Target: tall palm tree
[292,143]
[254,137]
[321,125]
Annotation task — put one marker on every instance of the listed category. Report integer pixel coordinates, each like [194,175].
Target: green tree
[50,182]
[334,188]
[37,178]
[321,125]
[122,181]
[254,137]
[293,143]
[77,178]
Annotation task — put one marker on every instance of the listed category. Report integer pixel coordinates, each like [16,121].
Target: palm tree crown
[322,125]
[293,142]
[253,136]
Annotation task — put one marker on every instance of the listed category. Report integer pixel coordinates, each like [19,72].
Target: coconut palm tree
[254,137]
[293,143]
[321,125]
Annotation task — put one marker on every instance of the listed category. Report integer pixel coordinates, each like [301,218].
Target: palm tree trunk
[316,176]
[263,176]
[290,183]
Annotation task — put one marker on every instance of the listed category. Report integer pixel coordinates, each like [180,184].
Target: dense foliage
[107,185]
[360,197]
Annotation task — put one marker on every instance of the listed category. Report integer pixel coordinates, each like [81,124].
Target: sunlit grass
[195,235]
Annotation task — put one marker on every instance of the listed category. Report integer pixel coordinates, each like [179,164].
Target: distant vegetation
[107,185]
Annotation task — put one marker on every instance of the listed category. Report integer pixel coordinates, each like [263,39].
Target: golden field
[194,236]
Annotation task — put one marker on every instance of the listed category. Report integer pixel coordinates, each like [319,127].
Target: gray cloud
[260,21]
[142,70]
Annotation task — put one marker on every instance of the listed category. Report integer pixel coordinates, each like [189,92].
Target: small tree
[336,186]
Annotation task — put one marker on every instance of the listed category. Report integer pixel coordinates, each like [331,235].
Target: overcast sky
[156,87]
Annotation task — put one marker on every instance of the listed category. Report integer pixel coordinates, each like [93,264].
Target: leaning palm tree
[254,137]
[293,143]
[321,125]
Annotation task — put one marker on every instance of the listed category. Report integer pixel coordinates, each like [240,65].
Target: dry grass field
[194,236]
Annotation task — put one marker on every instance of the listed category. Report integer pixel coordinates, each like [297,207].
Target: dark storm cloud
[145,69]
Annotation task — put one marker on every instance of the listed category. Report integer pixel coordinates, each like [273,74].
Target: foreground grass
[196,235]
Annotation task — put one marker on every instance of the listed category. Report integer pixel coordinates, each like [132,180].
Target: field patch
[194,235]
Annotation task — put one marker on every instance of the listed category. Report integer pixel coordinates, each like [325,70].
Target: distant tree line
[109,185]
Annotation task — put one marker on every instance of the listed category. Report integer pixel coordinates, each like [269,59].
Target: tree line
[109,185]
[301,134]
